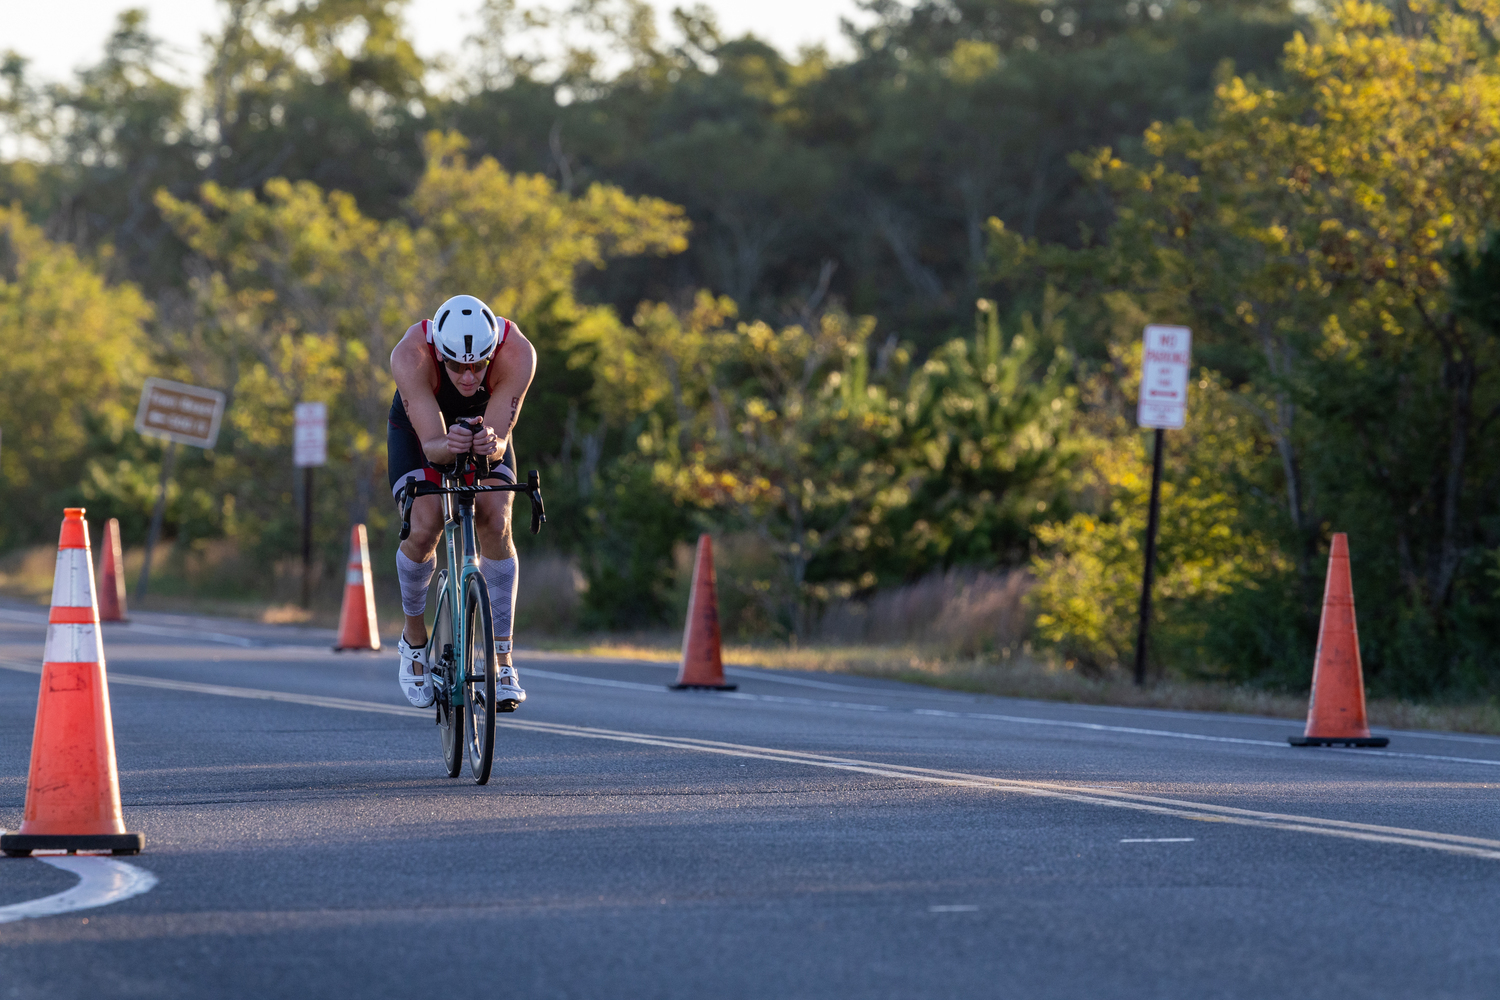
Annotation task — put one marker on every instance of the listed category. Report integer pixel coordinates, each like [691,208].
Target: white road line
[954,908]
[1204,812]
[773,676]
[326,702]
[768,675]
[181,633]
[228,691]
[101,881]
[595,681]
[777,677]
[1158,840]
[1450,843]
[1024,720]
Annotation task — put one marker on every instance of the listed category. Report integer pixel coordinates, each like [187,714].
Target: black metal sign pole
[307,520]
[1150,572]
[156,518]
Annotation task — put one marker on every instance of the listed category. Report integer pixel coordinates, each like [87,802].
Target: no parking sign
[1164,377]
[1165,358]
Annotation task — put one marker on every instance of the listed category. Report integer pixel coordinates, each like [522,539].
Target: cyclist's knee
[492,524]
[492,511]
[426,527]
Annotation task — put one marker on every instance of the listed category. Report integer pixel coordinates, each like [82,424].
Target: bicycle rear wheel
[444,667]
[479,699]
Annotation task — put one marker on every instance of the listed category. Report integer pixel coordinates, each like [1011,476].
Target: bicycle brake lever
[406,501]
[534,491]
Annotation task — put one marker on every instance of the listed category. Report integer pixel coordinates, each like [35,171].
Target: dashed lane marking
[1021,720]
[101,881]
[307,699]
[1449,843]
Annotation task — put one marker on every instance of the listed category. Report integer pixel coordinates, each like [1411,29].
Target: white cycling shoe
[417,687]
[508,690]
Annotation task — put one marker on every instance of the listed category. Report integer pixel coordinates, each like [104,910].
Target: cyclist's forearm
[438,452]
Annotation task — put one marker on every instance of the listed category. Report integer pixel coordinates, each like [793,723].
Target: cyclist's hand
[486,441]
[460,439]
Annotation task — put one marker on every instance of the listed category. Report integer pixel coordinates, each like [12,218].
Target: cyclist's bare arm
[415,372]
[517,369]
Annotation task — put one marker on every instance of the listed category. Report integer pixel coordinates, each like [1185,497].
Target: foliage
[783,432]
[301,296]
[1318,205]
[72,370]
[1311,235]
[1213,496]
[992,427]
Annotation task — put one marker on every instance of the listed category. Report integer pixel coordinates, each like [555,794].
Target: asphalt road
[806,836]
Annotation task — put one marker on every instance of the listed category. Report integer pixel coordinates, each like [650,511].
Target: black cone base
[703,687]
[18,845]
[1337,741]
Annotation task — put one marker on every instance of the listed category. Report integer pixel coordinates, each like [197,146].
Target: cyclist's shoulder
[411,359]
[521,352]
[412,348]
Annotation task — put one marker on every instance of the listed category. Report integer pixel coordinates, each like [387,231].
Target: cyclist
[460,380]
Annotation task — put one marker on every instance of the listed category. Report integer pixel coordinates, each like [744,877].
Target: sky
[58,36]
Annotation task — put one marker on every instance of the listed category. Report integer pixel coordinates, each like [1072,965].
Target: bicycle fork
[459,530]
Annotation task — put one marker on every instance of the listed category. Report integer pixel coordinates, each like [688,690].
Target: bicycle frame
[462,548]
[458,536]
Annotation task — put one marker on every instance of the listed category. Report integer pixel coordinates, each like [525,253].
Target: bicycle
[463,671]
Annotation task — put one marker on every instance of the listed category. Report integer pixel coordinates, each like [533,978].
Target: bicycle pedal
[508,705]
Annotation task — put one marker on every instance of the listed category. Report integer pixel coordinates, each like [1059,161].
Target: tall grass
[550,595]
[959,613]
[963,629]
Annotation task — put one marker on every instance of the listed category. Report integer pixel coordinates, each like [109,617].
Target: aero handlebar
[479,468]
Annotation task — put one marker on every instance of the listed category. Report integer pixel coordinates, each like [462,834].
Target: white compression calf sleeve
[502,576]
[415,578]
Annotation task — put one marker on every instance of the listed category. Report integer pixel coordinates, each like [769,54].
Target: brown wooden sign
[183,413]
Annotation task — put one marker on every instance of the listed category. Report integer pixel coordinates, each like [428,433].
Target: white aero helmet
[464,330]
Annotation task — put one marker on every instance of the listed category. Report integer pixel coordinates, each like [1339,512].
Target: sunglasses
[457,368]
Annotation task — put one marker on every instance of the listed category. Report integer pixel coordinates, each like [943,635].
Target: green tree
[301,296]
[72,371]
[783,433]
[990,425]
[1216,539]
[1310,234]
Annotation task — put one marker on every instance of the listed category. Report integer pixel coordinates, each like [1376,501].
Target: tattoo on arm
[515,404]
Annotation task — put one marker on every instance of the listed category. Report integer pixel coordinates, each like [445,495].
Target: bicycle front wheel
[479,699]
[444,667]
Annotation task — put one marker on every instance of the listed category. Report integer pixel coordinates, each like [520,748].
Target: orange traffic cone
[73,790]
[1336,711]
[702,662]
[357,628]
[111,574]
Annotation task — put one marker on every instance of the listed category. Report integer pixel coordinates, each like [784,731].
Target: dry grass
[208,580]
[550,595]
[962,612]
[1024,675]
[961,630]
[27,574]
[286,614]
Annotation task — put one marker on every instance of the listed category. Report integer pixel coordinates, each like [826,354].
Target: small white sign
[1164,377]
[183,413]
[310,436]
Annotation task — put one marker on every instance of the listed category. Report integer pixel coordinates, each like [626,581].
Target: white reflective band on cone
[73,583]
[73,644]
[356,576]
